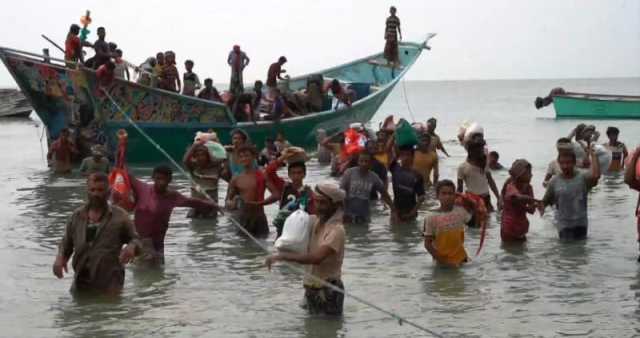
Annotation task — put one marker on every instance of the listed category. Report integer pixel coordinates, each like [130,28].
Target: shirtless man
[246,194]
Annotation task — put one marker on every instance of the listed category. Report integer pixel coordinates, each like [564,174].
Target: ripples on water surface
[214,283]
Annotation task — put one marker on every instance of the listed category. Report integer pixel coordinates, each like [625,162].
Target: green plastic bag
[405,134]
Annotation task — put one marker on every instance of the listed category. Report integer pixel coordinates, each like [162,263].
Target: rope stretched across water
[297,269]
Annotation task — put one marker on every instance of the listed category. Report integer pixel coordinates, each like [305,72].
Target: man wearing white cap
[325,253]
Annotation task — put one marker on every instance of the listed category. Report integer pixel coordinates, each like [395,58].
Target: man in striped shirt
[391,33]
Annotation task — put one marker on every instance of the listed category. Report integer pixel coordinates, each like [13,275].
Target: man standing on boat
[275,72]
[391,33]
[237,60]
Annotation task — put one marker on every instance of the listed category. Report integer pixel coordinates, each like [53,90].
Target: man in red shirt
[73,47]
[275,72]
[106,74]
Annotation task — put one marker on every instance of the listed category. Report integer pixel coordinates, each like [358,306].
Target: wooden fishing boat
[596,106]
[14,104]
[171,120]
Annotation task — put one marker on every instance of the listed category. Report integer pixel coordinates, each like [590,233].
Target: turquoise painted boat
[170,119]
[596,106]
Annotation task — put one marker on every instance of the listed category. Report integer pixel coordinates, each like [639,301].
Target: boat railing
[18,53]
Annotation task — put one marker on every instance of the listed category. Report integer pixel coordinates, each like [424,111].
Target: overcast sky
[489,39]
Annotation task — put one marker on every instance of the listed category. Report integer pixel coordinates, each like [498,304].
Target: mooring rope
[401,320]
[406,100]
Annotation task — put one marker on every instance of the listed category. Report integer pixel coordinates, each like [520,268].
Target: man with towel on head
[325,253]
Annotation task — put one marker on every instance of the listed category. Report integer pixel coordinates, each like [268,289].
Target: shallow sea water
[214,283]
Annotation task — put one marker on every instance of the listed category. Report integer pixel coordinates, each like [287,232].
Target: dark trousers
[325,300]
[572,234]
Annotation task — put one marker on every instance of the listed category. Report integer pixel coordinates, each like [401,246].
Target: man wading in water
[325,253]
[96,233]
[154,205]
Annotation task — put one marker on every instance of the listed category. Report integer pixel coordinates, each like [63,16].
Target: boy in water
[562,145]
[444,228]
[359,183]
[190,79]
[249,188]
[408,187]
[293,192]
[632,180]
[618,150]
[568,192]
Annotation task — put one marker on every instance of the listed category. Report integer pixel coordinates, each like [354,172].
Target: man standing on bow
[237,60]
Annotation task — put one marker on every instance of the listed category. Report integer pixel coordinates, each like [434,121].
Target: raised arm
[592,181]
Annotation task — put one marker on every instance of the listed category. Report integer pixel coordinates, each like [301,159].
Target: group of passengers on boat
[275,102]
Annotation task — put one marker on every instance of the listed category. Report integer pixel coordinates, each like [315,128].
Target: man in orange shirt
[73,47]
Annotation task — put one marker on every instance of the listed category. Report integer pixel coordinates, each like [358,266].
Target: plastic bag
[604,157]
[473,129]
[216,150]
[296,233]
[405,134]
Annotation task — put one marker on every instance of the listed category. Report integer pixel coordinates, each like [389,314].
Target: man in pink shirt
[154,205]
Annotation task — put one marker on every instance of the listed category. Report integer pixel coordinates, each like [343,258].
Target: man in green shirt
[96,163]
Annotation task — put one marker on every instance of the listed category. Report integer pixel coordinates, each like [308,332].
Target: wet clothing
[96,247]
[190,82]
[569,195]
[408,186]
[475,178]
[424,162]
[210,94]
[325,300]
[207,179]
[359,187]
[617,156]
[273,74]
[515,224]
[153,211]
[447,230]
[61,153]
[254,221]
[391,36]
[329,234]
[89,165]
[381,171]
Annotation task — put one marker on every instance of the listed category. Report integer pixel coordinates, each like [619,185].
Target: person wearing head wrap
[517,195]
[237,60]
[145,71]
[96,163]
[325,253]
